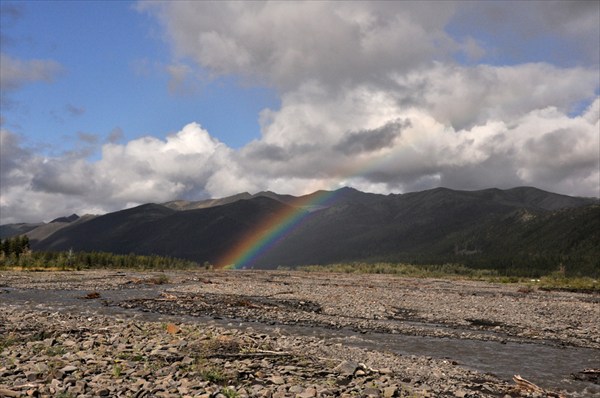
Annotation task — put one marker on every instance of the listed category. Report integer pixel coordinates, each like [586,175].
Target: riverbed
[496,331]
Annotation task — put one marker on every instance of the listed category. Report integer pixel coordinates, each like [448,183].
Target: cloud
[14,159]
[87,138]
[400,149]
[68,110]
[561,32]
[286,43]
[183,79]
[115,135]
[14,72]
[372,96]
[464,96]
[74,110]
[142,170]
[372,140]
[9,13]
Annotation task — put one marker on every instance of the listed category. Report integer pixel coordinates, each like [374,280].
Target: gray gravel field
[290,334]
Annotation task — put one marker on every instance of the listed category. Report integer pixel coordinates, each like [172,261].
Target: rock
[346,368]
[68,369]
[32,376]
[9,393]
[277,380]
[307,393]
[389,392]
[295,389]
[460,393]
[371,392]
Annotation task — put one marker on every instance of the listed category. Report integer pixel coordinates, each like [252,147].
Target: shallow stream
[546,365]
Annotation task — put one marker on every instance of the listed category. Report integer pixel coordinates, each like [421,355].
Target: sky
[108,105]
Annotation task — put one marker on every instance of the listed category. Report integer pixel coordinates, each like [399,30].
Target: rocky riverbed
[121,334]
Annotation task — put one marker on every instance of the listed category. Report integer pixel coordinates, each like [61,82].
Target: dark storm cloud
[264,151]
[372,140]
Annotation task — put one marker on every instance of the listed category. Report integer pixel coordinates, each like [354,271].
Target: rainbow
[271,230]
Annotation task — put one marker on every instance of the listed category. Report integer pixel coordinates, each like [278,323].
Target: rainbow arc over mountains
[264,236]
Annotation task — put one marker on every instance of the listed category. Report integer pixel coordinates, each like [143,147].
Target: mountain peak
[67,219]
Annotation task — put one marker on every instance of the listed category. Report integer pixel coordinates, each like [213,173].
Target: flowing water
[546,365]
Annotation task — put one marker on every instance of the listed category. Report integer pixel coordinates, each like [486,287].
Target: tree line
[16,252]
[15,246]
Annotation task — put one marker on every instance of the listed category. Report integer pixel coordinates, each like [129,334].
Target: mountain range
[519,227]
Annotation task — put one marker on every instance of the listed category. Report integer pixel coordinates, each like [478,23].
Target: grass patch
[126,356]
[117,370]
[161,279]
[556,280]
[35,269]
[56,351]
[229,393]
[213,375]
[7,341]
[411,270]
[573,284]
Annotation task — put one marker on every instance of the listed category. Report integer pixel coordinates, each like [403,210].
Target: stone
[308,393]
[389,392]
[277,380]
[346,368]
[68,369]
[460,393]
[295,389]
[371,392]
[9,393]
[32,376]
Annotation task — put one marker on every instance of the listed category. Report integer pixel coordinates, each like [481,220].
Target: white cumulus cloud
[372,96]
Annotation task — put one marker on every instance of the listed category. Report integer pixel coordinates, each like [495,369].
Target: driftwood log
[528,387]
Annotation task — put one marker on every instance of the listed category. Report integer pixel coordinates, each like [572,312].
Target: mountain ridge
[346,225]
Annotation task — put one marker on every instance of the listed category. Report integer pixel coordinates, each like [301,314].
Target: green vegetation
[14,247]
[556,280]
[213,375]
[229,392]
[56,351]
[412,270]
[559,281]
[7,341]
[25,259]
[117,370]
[15,254]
